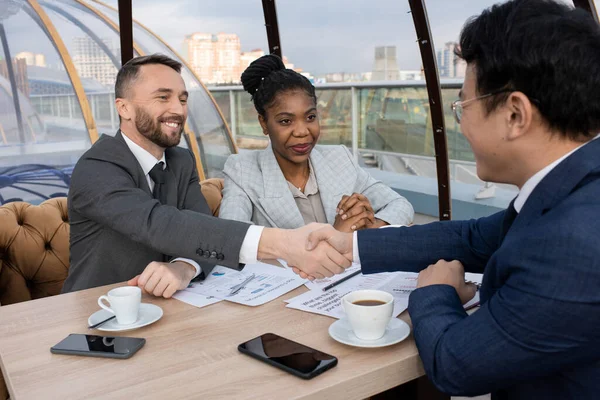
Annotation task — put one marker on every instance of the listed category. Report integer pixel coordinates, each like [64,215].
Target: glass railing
[388,123]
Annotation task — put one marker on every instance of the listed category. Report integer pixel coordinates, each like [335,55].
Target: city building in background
[449,65]
[385,67]
[414,75]
[215,58]
[20,70]
[247,57]
[218,59]
[93,62]
[39,60]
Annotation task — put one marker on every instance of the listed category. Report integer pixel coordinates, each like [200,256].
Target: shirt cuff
[191,262]
[355,254]
[249,250]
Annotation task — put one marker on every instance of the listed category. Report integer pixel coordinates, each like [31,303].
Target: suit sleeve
[236,204]
[414,248]
[107,194]
[540,322]
[517,336]
[194,199]
[388,205]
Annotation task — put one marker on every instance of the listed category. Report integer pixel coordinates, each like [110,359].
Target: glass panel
[95,49]
[36,163]
[204,118]
[350,41]
[335,116]
[447,20]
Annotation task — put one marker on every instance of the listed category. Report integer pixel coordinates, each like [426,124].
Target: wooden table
[190,353]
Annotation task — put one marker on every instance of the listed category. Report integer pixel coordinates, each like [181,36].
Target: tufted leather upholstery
[212,190]
[34,248]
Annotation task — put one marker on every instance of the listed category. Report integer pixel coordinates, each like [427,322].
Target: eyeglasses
[458,105]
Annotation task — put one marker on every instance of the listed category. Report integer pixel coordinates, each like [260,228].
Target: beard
[152,130]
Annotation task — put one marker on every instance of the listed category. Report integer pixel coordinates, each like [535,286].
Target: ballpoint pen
[344,279]
[240,286]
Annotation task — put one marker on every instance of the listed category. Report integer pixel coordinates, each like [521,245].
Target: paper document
[194,299]
[399,284]
[269,283]
[321,283]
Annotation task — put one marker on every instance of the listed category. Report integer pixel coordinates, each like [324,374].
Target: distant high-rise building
[215,58]
[414,75]
[91,61]
[385,67]
[20,70]
[32,59]
[247,57]
[449,65]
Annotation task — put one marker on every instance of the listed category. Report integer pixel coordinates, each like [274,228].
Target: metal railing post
[354,95]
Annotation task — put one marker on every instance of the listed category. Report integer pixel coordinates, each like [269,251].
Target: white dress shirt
[249,250]
[520,200]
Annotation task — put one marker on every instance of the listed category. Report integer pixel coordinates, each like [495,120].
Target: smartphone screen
[100,346]
[288,355]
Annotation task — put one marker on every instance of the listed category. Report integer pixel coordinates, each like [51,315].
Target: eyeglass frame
[461,103]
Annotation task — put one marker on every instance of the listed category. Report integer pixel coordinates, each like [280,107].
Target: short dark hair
[267,76]
[547,50]
[129,72]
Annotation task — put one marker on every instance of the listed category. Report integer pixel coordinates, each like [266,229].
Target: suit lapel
[135,165]
[559,183]
[278,202]
[331,185]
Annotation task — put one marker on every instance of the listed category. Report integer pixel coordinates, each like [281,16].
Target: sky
[319,36]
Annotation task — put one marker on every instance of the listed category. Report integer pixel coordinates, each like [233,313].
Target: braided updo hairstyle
[267,76]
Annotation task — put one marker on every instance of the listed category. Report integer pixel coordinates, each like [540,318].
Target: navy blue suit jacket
[537,333]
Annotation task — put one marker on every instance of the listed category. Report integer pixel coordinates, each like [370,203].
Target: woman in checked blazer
[293,181]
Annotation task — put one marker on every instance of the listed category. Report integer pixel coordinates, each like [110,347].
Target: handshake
[314,251]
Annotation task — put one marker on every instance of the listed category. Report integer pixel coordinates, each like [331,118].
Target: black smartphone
[295,358]
[98,346]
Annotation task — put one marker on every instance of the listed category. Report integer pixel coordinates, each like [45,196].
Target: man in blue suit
[530,108]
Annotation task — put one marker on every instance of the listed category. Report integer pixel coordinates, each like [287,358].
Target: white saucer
[396,331]
[149,313]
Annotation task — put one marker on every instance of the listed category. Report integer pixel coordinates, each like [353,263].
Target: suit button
[213,254]
[206,254]
[199,252]
[220,257]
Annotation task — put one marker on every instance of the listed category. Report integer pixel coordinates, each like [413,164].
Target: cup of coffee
[369,312]
[124,303]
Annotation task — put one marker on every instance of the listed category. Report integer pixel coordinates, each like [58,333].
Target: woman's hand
[355,212]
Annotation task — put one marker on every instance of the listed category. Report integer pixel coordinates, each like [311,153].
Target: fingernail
[353,227]
[344,216]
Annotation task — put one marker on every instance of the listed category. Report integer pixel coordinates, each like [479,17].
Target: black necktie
[509,217]
[159,176]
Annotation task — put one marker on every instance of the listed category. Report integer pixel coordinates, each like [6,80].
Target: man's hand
[448,273]
[318,262]
[355,212]
[327,235]
[164,279]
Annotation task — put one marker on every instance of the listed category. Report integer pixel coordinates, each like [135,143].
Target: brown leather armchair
[34,248]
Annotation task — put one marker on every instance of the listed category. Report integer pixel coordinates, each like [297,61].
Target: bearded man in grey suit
[135,200]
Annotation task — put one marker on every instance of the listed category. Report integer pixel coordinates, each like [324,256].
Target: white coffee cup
[124,303]
[368,321]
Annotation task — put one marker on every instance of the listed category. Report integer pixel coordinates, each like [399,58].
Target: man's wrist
[272,244]
[190,270]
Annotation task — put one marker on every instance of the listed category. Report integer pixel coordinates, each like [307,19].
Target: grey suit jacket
[117,227]
[257,192]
